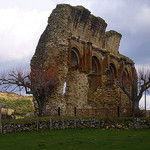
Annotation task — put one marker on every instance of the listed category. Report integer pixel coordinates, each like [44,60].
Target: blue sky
[23,21]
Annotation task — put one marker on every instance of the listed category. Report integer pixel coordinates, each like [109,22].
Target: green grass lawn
[79,139]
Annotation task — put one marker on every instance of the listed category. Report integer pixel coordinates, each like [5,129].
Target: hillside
[13,96]
[19,104]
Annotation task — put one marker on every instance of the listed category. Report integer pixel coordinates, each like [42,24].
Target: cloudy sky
[23,21]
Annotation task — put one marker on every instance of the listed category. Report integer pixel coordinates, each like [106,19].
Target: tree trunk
[42,108]
[136,105]
[135,108]
[41,102]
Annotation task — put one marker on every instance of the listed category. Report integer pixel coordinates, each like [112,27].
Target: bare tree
[38,82]
[134,86]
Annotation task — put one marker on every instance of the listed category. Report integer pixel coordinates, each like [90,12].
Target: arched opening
[94,77]
[95,65]
[112,73]
[125,76]
[75,58]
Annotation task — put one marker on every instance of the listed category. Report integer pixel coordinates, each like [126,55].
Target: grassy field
[80,139]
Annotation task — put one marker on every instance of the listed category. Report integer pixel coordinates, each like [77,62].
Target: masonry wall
[71,123]
[76,48]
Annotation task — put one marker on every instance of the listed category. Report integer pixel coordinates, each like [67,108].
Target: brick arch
[99,63]
[75,58]
[125,75]
[95,74]
[124,69]
[76,46]
[96,68]
[115,63]
[112,71]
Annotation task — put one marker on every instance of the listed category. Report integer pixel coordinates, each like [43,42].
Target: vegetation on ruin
[112,32]
[88,139]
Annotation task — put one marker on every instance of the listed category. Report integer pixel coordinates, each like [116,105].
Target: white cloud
[19,32]
[131,16]
[142,102]
[21,27]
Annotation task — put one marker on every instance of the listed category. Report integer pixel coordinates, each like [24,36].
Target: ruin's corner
[75,44]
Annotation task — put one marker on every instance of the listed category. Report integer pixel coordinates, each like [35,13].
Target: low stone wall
[77,123]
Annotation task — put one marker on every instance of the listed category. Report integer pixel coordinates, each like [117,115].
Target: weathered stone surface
[86,57]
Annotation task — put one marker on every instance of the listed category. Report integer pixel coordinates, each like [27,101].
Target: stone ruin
[75,44]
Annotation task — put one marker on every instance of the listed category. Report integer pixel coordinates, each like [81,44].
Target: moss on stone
[101,20]
[112,32]
[80,7]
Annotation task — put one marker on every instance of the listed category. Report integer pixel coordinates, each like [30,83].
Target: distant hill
[19,103]
[13,96]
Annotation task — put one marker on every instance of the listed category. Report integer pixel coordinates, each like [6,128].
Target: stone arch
[97,61]
[95,75]
[112,71]
[96,67]
[75,58]
[125,75]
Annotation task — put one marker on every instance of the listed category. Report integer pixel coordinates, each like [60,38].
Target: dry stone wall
[75,44]
[73,123]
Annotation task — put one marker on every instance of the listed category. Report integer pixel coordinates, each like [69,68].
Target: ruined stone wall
[76,94]
[76,48]
[112,41]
